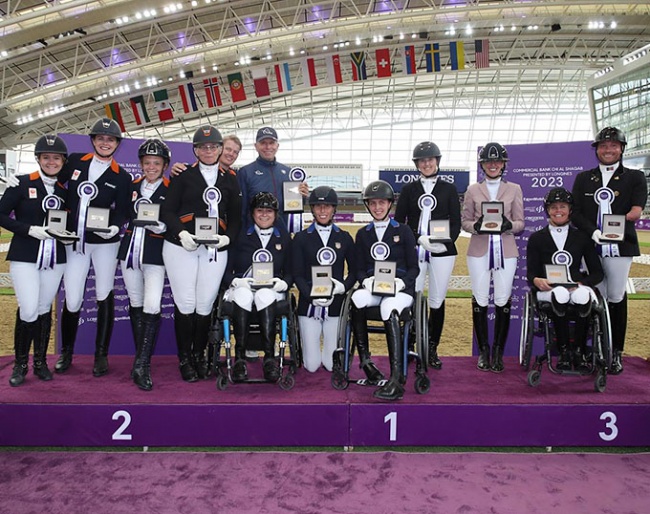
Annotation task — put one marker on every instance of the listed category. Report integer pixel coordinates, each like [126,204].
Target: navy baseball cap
[266,133]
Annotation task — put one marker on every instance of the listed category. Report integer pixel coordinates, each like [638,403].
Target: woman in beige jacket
[492,256]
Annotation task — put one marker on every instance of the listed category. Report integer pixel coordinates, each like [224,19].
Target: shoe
[372,372]
[564,360]
[239,371]
[617,364]
[271,370]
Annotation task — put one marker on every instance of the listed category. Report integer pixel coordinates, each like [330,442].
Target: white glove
[279,285]
[596,236]
[215,238]
[223,241]
[159,228]
[368,282]
[339,288]
[187,240]
[322,302]
[112,232]
[241,282]
[424,242]
[399,285]
[11,181]
[39,233]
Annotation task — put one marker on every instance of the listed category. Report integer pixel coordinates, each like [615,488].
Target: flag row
[425,58]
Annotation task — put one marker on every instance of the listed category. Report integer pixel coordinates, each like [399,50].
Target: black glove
[506,224]
[477,225]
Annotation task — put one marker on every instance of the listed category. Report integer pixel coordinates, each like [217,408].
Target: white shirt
[428,183]
[264,235]
[608,171]
[147,189]
[559,235]
[380,228]
[324,233]
[97,168]
[48,182]
[209,173]
[493,187]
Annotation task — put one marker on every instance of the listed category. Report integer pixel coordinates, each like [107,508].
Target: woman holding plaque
[493,211]
[202,212]
[37,260]
[321,250]
[261,270]
[559,244]
[611,196]
[430,206]
[98,203]
[140,256]
[384,247]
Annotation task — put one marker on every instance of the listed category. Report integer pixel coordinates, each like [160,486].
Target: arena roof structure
[476,68]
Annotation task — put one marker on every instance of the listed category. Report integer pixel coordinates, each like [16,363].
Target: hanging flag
[139,110]
[382,60]
[457,54]
[309,78]
[260,81]
[482,52]
[212,94]
[334,75]
[358,66]
[282,77]
[163,106]
[236,83]
[432,56]
[409,60]
[188,98]
[114,113]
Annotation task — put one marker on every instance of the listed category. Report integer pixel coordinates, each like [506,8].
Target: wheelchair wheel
[338,380]
[422,329]
[534,377]
[422,384]
[527,332]
[222,382]
[287,382]
[601,381]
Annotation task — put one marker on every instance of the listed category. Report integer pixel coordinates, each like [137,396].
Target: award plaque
[384,283]
[439,231]
[321,280]
[262,269]
[558,275]
[204,230]
[293,200]
[57,220]
[613,228]
[148,214]
[98,219]
[492,213]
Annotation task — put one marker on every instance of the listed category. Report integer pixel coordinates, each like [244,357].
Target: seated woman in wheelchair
[383,240]
[263,241]
[321,244]
[561,244]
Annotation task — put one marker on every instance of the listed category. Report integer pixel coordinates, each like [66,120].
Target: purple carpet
[377,483]
[459,382]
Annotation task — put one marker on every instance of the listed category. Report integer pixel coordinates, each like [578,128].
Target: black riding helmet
[378,189]
[610,134]
[558,194]
[264,200]
[207,134]
[323,195]
[155,147]
[426,150]
[106,127]
[493,152]
[50,143]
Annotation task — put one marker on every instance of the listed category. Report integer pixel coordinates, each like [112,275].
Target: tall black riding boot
[580,361]
[184,330]
[146,346]
[480,322]
[240,319]
[618,320]
[41,342]
[501,328]
[199,344]
[436,321]
[561,324]
[105,320]
[360,331]
[69,326]
[270,366]
[135,317]
[393,389]
[23,334]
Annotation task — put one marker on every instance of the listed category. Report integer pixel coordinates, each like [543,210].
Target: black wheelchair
[288,335]
[537,322]
[415,333]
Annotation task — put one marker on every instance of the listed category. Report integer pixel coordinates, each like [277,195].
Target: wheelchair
[286,328]
[415,333]
[537,322]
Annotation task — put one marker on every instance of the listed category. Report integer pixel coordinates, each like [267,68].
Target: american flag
[482,51]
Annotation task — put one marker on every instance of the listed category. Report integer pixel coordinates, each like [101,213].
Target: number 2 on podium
[391,418]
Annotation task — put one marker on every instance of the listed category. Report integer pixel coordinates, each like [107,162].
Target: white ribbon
[87,191]
[135,252]
[604,197]
[46,254]
[496,251]
[212,197]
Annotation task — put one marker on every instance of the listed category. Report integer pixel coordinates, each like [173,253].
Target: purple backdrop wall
[122,340]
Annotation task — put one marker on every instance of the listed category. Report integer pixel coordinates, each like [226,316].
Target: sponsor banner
[398,177]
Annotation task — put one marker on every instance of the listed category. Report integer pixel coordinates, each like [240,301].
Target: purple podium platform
[465,407]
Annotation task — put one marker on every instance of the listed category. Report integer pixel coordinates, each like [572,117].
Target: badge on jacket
[75,175]
[32,193]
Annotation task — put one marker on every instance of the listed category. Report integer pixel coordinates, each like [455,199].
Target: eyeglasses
[207,148]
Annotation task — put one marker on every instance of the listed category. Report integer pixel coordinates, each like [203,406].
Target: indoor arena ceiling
[62,61]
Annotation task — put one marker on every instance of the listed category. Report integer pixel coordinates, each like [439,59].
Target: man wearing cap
[265,174]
